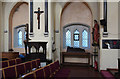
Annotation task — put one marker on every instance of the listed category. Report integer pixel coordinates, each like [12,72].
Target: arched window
[84,38]
[76,35]
[68,38]
[20,34]
[76,38]
[20,38]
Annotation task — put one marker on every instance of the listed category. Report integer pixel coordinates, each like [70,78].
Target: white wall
[7,7]
[1,36]
[119,26]
[39,33]
[109,57]
[57,10]
[51,22]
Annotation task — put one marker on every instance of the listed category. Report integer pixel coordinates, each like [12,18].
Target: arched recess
[75,13]
[10,21]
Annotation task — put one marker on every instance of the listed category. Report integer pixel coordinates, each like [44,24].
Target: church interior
[59,39]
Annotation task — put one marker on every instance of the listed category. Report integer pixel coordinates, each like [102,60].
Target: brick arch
[11,19]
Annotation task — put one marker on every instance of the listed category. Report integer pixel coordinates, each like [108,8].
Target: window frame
[19,38]
[65,36]
[16,30]
[86,39]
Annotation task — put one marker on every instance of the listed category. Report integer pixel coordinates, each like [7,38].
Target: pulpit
[33,55]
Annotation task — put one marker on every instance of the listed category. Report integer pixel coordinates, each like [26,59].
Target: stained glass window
[24,35]
[68,38]
[20,38]
[76,38]
[85,38]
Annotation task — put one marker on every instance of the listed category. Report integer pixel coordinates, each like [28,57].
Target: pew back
[11,62]
[9,72]
[40,73]
[20,70]
[5,64]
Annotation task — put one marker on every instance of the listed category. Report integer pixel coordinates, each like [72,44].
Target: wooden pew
[29,76]
[28,67]
[17,70]
[20,70]
[9,72]
[18,61]
[10,62]
[52,71]
[39,73]
[4,64]
[10,55]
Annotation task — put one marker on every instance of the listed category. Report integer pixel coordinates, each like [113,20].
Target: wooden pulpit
[36,45]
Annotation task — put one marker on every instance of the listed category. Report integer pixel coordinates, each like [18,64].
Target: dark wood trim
[46,15]
[31,16]
[105,15]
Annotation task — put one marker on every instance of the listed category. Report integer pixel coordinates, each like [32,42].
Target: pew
[50,71]
[18,60]
[29,76]
[38,63]
[40,73]
[34,64]
[9,72]
[11,62]
[10,55]
[18,70]
[28,67]
[47,72]
[4,64]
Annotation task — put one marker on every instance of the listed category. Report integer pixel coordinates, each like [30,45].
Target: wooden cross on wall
[38,16]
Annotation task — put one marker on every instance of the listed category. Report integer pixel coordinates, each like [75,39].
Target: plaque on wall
[111,44]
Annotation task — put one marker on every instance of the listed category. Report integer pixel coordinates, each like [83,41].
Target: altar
[76,53]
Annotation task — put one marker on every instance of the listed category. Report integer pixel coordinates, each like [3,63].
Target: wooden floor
[83,72]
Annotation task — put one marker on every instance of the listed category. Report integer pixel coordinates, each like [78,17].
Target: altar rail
[77,55]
